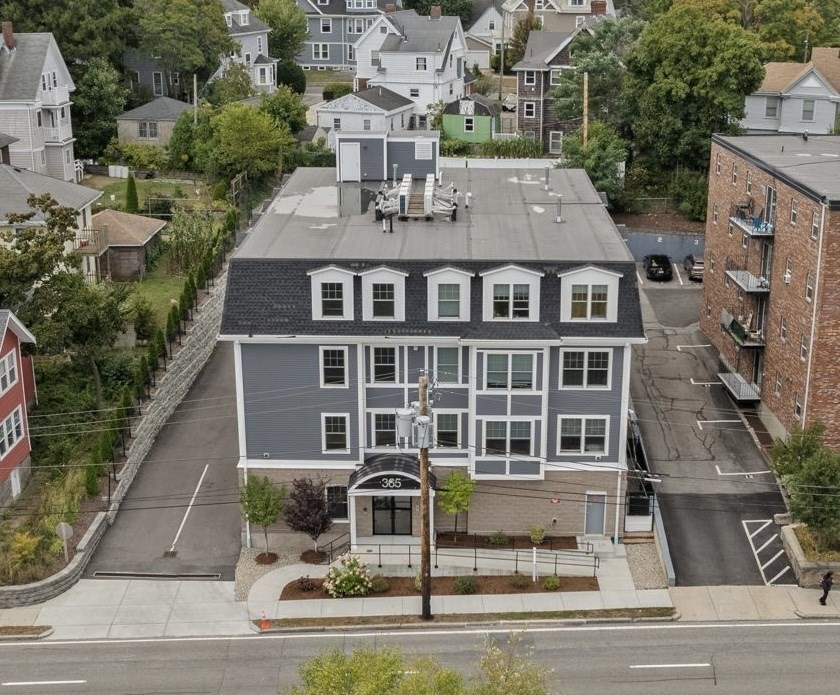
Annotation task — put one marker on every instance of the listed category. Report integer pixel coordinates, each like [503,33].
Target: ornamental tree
[262,503]
[306,510]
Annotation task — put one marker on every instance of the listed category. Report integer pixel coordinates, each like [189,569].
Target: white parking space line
[680,347]
[768,542]
[189,507]
[764,524]
[705,383]
[670,666]
[21,683]
[763,565]
[677,271]
[773,580]
[639,276]
[776,556]
[748,474]
[708,422]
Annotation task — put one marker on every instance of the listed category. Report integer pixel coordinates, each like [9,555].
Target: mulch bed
[22,630]
[266,558]
[445,586]
[463,540]
[313,557]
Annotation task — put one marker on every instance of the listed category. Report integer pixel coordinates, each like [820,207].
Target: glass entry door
[392,516]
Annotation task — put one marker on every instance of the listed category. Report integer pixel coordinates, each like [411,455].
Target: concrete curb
[27,637]
[817,616]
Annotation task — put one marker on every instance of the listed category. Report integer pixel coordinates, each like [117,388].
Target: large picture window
[506,371]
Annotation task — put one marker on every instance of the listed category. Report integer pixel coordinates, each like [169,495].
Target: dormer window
[589,294]
[511,293]
[243,18]
[229,20]
[383,295]
[332,294]
[449,294]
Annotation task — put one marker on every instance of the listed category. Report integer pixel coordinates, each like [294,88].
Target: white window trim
[7,363]
[321,350]
[417,67]
[9,419]
[815,226]
[511,275]
[460,364]
[326,22]
[533,107]
[813,111]
[580,451]
[154,90]
[809,288]
[324,449]
[794,210]
[459,433]
[343,519]
[469,124]
[509,390]
[507,456]
[448,276]
[336,275]
[372,440]
[585,387]
[378,276]
[398,377]
[591,275]
[532,74]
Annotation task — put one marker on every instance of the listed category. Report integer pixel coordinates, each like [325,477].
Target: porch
[739,388]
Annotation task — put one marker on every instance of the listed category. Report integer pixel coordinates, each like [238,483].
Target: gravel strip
[248,571]
[645,566]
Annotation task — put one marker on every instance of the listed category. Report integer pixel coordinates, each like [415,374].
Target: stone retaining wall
[808,574]
[172,386]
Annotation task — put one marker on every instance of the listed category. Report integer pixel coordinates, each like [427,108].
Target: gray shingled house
[151,123]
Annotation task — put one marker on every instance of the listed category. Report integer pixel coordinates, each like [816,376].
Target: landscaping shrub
[521,148]
[92,479]
[379,584]
[455,148]
[116,368]
[306,584]
[349,578]
[336,90]
[131,202]
[292,75]
[689,190]
[465,585]
[143,316]
[537,534]
[551,583]
[519,582]
[498,538]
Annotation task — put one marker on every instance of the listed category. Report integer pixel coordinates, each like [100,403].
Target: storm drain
[170,553]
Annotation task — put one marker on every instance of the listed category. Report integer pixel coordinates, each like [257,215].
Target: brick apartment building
[771,295]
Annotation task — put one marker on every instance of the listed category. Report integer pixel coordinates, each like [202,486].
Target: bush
[291,74]
[689,189]
[519,582]
[537,534]
[498,538]
[349,578]
[379,585]
[521,148]
[465,585]
[305,584]
[494,63]
[551,583]
[144,317]
[116,368]
[335,90]
[455,148]
[134,155]
[92,479]
[131,203]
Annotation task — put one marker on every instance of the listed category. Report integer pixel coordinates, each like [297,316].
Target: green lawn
[145,188]
[323,76]
[162,289]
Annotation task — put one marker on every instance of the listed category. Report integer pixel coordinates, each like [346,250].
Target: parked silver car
[694,267]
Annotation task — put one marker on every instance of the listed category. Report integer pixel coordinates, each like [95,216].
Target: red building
[17,394]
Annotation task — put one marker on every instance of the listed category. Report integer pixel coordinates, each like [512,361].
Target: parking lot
[716,489]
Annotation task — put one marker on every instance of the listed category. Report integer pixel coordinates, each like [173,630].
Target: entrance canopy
[388,473]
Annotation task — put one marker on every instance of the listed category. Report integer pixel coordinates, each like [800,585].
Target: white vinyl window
[582,435]
[157,84]
[326,25]
[332,299]
[420,64]
[797,407]
[530,108]
[414,92]
[8,371]
[794,210]
[783,329]
[530,77]
[807,110]
[505,371]
[320,51]
[511,301]
[449,300]
[589,302]
[384,369]
[717,164]
[337,502]
[448,365]
[334,433]
[508,438]
[384,429]
[777,387]
[585,369]
[447,430]
[11,431]
[469,124]
[771,107]
[815,225]
[383,300]
[803,348]
[809,287]
[333,367]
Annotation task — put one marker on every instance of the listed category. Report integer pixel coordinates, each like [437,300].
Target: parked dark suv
[694,267]
[658,267]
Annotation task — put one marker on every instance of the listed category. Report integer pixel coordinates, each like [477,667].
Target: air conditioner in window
[786,278]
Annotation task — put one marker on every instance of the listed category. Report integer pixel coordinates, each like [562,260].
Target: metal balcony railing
[754,225]
[740,389]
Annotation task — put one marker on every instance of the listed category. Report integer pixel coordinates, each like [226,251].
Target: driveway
[713,476]
[181,516]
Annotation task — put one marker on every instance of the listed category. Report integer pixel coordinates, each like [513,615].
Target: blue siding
[283,402]
[402,154]
[371,157]
[491,405]
[525,405]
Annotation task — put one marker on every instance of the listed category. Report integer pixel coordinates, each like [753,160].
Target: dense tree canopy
[602,157]
[234,84]
[99,98]
[289,27]
[449,8]
[285,106]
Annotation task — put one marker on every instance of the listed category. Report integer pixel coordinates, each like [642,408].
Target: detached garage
[365,156]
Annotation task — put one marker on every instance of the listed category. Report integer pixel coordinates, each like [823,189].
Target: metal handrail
[335,547]
[583,546]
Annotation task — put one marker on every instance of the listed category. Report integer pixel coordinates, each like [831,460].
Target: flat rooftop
[511,217]
[813,163]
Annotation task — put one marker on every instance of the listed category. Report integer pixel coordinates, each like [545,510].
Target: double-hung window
[449,300]
[384,365]
[11,431]
[589,301]
[383,300]
[514,371]
[815,225]
[333,367]
[420,64]
[582,435]
[794,210]
[335,433]
[585,369]
[807,109]
[337,502]
[326,25]
[530,77]
[446,430]
[448,366]
[511,301]
[332,299]
[508,438]
[8,371]
[384,429]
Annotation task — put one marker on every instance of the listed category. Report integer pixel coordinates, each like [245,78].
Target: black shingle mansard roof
[268,296]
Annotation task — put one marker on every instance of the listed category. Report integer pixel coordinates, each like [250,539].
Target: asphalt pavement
[181,516]
[713,476]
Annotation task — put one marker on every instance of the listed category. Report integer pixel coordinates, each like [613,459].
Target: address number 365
[391,483]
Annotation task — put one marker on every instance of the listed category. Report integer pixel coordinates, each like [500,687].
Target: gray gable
[273,297]
[421,34]
[20,70]
[541,44]
[483,106]
[7,139]
[16,185]
[339,7]
[160,109]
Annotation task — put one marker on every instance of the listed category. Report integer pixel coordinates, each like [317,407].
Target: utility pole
[502,61]
[195,98]
[423,435]
[585,109]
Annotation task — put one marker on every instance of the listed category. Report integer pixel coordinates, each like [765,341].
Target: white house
[252,36]
[556,15]
[421,58]
[484,34]
[372,109]
[797,97]
[35,88]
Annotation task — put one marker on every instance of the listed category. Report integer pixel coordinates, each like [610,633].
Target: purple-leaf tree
[306,508]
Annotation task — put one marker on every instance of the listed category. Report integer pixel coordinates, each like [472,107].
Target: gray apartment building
[522,314]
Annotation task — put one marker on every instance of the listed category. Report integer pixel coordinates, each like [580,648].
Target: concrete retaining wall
[171,389]
[808,574]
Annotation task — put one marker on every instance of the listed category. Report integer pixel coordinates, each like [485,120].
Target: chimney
[8,37]
[390,8]
[598,8]
[434,12]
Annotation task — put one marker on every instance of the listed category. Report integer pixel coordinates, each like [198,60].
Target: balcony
[739,388]
[743,336]
[754,225]
[61,134]
[58,96]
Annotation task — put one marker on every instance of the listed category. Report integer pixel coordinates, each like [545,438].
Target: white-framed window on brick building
[337,502]
[788,270]
[8,371]
[803,348]
[794,210]
[11,431]
[717,164]
[809,287]
[333,367]
[783,329]
[334,438]
[582,369]
[508,438]
[777,385]
[447,430]
[745,240]
[748,184]
[714,213]
[582,435]
[729,231]
[815,225]
[797,406]
[734,173]
[711,261]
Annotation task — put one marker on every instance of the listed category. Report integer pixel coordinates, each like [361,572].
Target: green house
[472,119]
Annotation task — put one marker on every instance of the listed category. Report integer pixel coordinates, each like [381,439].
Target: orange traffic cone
[265,623]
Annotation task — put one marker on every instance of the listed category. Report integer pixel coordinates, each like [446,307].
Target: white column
[352,501]
[432,519]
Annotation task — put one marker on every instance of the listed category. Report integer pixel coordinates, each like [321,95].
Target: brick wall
[784,371]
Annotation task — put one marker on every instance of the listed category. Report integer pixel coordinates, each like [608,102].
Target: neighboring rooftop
[812,163]
[20,69]
[7,139]
[125,229]
[16,185]
[160,109]
[420,34]
[383,98]
[9,320]
[780,76]
[511,217]
[541,45]
[483,106]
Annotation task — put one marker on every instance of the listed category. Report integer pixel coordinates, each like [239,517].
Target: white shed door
[349,161]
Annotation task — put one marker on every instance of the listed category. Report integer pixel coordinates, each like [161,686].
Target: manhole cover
[171,553]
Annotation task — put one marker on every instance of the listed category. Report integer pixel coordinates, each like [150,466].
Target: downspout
[814,316]
[240,420]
